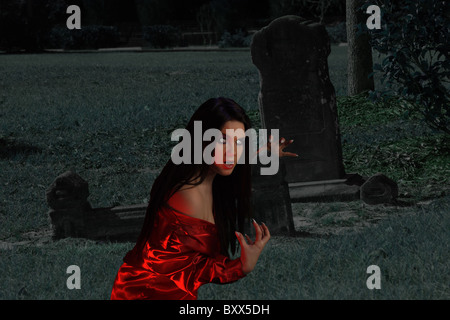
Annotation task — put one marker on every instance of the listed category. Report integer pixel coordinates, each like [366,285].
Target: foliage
[88,37]
[309,9]
[238,39]
[337,32]
[25,24]
[151,12]
[381,137]
[414,41]
[162,36]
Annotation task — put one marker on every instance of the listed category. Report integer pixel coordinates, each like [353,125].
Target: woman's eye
[224,141]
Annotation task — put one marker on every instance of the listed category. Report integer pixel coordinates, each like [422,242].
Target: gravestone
[379,189]
[298,98]
[71,214]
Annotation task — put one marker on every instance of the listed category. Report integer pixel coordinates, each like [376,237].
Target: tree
[414,42]
[360,63]
[309,9]
[213,17]
[25,24]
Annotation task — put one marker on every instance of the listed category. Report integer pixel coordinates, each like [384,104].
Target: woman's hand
[278,147]
[250,250]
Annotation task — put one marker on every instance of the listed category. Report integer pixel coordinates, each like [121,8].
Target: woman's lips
[228,165]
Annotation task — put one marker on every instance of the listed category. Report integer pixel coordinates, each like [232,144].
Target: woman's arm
[221,269]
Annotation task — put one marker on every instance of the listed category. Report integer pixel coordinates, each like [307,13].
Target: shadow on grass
[9,148]
[306,234]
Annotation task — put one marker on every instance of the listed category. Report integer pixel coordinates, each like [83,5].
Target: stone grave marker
[298,98]
[71,214]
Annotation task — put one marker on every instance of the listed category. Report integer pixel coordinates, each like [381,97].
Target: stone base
[71,215]
[271,203]
[324,191]
[122,223]
[273,207]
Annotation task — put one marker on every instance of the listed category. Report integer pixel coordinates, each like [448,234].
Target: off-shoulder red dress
[182,254]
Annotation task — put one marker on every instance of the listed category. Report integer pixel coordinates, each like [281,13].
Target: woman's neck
[206,185]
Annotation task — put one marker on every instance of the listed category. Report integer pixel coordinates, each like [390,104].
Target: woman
[191,221]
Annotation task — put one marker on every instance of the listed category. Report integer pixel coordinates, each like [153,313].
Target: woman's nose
[231,149]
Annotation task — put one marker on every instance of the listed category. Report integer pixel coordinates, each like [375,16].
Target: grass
[109,117]
[412,265]
[42,274]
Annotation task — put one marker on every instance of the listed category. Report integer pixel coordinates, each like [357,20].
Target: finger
[288,154]
[288,142]
[266,232]
[285,142]
[258,230]
[241,239]
[249,241]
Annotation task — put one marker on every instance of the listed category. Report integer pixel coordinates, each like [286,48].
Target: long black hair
[231,194]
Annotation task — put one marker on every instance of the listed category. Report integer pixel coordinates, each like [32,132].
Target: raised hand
[250,250]
[278,147]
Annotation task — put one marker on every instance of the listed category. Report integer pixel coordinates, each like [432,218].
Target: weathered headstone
[379,189]
[298,98]
[71,215]
[68,191]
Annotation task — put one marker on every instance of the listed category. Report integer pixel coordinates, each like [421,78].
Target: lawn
[109,117]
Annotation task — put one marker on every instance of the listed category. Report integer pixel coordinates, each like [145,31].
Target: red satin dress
[182,254]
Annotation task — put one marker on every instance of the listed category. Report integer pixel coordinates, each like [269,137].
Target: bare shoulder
[186,200]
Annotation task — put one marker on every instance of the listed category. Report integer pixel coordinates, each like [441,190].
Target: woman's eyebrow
[227,136]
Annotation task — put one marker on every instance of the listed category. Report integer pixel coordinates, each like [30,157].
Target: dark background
[33,25]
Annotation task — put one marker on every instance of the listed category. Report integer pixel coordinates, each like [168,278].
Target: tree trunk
[359,65]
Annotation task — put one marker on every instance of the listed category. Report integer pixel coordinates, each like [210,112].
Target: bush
[414,40]
[238,39]
[337,33]
[162,36]
[88,37]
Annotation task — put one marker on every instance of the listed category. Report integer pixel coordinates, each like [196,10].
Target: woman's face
[229,149]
